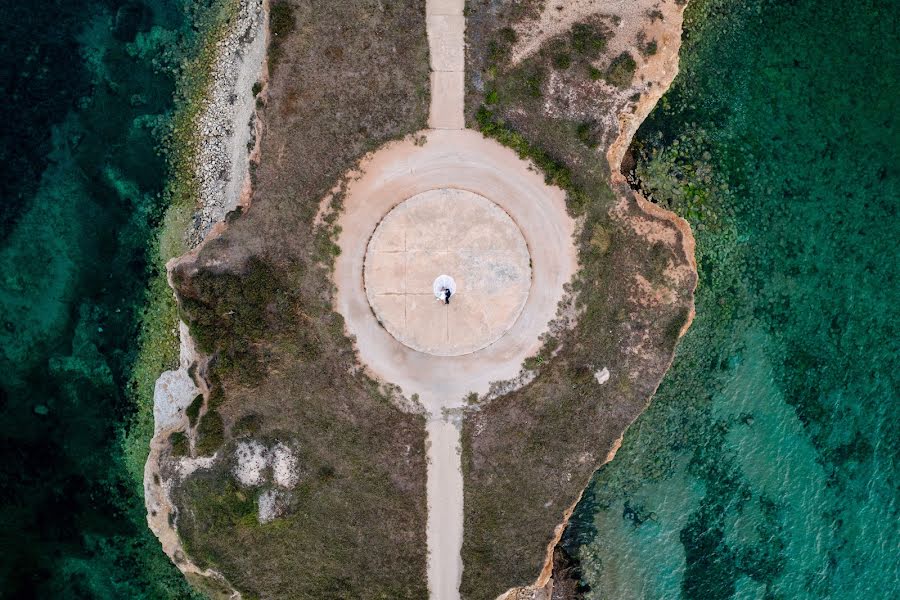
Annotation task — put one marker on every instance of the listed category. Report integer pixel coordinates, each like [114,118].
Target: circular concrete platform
[463,160]
[460,234]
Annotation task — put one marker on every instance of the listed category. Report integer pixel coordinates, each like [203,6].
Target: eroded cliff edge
[277,454]
[568,85]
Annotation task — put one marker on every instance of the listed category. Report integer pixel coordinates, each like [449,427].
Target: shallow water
[767,465]
[89,91]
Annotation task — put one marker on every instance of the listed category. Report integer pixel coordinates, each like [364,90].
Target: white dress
[443,282]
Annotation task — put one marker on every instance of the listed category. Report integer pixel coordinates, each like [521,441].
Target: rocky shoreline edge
[227,141]
[659,77]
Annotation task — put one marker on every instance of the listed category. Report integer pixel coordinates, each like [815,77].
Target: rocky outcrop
[227,140]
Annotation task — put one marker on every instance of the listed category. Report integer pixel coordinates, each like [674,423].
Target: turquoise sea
[767,465]
[89,89]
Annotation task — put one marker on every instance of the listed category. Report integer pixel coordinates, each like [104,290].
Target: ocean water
[89,91]
[767,466]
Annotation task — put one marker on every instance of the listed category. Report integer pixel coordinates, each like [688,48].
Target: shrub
[585,133]
[281,19]
[210,433]
[281,23]
[228,313]
[621,70]
[588,39]
[193,410]
[499,49]
[562,60]
[247,425]
[179,442]
[555,172]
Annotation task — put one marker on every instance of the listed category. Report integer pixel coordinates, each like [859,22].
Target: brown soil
[527,456]
[257,298]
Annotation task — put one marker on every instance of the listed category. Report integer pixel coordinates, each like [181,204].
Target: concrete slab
[466,160]
[446,42]
[447,100]
[389,274]
[444,7]
[457,233]
[425,328]
[391,307]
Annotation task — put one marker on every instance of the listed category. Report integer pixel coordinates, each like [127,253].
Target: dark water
[89,90]
[767,466]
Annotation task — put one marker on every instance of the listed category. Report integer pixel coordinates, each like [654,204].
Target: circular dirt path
[460,160]
[461,235]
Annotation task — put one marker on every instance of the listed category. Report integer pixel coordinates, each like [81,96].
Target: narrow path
[445,508]
[446,26]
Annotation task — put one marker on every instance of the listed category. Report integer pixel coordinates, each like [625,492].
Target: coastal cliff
[288,444]
[227,141]
[568,86]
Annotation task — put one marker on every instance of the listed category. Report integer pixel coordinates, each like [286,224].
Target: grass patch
[527,455]
[555,172]
[258,299]
[210,433]
[193,409]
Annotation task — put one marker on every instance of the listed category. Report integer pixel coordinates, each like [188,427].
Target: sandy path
[446,27]
[445,509]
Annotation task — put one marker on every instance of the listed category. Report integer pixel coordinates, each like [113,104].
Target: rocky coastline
[227,141]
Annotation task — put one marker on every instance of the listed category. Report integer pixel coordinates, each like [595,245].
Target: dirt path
[446,27]
[445,509]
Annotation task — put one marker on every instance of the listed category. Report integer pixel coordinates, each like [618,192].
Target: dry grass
[258,298]
[528,455]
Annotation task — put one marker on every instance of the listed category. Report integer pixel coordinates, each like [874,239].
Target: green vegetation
[281,18]
[586,134]
[258,300]
[527,455]
[584,43]
[229,311]
[246,426]
[646,48]
[555,172]
[500,48]
[210,433]
[180,444]
[620,71]
[193,409]
[588,39]
[282,23]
